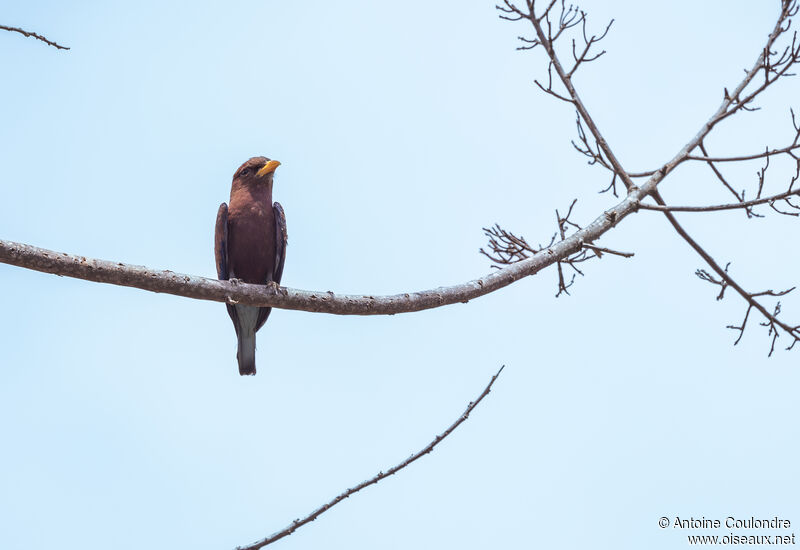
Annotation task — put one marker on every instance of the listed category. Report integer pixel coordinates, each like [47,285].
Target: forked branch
[772,64]
[725,281]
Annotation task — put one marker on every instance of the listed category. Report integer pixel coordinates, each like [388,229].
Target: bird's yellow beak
[268,168]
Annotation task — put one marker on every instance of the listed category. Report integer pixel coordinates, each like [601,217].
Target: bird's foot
[273,286]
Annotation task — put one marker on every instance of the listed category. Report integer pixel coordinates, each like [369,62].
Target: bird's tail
[247,352]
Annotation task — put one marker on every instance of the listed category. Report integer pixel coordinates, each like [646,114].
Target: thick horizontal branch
[718,207]
[192,286]
[296,524]
[34,35]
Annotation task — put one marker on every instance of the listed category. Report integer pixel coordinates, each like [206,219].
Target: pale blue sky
[403,128]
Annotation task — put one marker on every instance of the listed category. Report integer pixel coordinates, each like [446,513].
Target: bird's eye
[244,172]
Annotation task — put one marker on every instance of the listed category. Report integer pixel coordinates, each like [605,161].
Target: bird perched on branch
[250,246]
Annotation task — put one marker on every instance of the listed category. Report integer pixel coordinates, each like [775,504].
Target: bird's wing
[221,242]
[281,240]
[221,255]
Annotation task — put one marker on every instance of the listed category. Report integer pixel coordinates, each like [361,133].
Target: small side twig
[722,283]
[296,524]
[766,153]
[718,207]
[600,250]
[563,286]
[506,248]
[34,35]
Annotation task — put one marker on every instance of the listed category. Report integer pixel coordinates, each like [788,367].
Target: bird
[250,246]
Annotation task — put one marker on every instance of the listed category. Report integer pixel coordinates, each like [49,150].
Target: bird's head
[255,171]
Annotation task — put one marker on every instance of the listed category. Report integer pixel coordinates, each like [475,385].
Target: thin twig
[563,287]
[34,35]
[718,207]
[766,153]
[719,175]
[607,250]
[296,524]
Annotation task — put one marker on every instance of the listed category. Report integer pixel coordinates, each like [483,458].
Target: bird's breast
[251,238]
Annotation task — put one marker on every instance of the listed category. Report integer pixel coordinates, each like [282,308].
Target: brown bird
[250,246]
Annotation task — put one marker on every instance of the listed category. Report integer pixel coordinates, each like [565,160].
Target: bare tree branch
[508,249]
[599,250]
[721,178]
[34,35]
[718,207]
[772,318]
[588,43]
[543,26]
[30,257]
[770,63]
[547,30]
[191,286]
[563,286]
[767,153]
[296,524]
